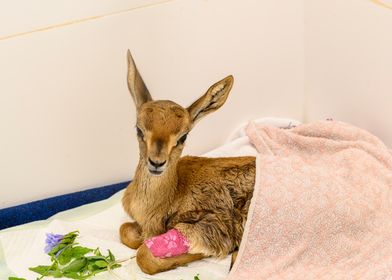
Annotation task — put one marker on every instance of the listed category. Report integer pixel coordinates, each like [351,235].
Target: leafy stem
[71,260]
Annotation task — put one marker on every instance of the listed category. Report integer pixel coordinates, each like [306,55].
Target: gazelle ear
[137,87]
[212,100]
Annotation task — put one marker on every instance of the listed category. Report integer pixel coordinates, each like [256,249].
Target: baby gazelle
[206,199]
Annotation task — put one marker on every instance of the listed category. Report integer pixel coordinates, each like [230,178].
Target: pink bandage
[169,244]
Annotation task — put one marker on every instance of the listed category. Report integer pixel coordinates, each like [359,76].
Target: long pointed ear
[137,87]
[212,100]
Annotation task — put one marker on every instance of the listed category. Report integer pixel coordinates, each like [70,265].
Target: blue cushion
[43,209]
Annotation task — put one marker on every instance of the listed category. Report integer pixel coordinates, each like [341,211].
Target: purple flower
[52,240]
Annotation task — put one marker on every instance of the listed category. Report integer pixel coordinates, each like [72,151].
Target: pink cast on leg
[169,244]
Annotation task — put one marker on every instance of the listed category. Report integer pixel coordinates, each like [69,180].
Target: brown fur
[131,235]
[206,199]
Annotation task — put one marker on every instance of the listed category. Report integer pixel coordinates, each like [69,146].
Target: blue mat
[43,209]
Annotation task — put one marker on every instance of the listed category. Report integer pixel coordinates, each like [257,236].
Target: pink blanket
[322,205]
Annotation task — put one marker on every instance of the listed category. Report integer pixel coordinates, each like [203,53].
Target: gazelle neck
[152,198]
[156,188]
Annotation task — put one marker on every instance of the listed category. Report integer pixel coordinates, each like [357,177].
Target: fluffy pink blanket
[322,205]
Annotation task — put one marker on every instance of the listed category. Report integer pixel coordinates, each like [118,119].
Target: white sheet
[98,223]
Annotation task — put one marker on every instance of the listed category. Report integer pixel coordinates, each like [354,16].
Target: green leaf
[75,265]
[99,270]
[97,252]
[41,269]
[57,248]
[196,277]
[66,255]
[57,273]
[101,263]
[15,278]
[80,251]
[111,256]
[75,275]
[46,270]
[71,235]
[116,265]
[95,258]
[91,266]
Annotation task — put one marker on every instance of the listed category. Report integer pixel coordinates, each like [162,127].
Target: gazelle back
[206,199]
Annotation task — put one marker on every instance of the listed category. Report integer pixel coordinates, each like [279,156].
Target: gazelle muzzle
[156,168]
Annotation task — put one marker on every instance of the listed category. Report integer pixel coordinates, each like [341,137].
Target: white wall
[66,118]
[20,17]
[349,63]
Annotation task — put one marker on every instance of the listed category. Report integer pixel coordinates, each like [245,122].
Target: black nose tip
[156,164]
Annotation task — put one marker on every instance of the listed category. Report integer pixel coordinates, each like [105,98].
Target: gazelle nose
[156,164]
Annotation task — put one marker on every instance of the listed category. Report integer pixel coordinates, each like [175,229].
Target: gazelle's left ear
[136,85]
[212,100]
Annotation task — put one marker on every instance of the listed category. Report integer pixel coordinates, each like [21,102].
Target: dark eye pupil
[182,139]
[139,132]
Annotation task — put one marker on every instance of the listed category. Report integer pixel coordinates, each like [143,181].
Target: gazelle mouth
[155,172]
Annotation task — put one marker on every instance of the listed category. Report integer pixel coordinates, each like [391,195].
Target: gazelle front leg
[203,239]
[152,265]
[131,235]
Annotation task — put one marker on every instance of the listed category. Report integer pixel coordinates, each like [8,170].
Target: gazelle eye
[182,139]
[139,133]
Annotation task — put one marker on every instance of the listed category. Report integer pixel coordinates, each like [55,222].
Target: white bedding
[22,247]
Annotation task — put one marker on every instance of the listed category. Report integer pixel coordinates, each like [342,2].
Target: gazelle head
[162,125]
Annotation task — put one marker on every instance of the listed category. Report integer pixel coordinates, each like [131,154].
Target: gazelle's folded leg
[209,236]
[130,234]
[152,265]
